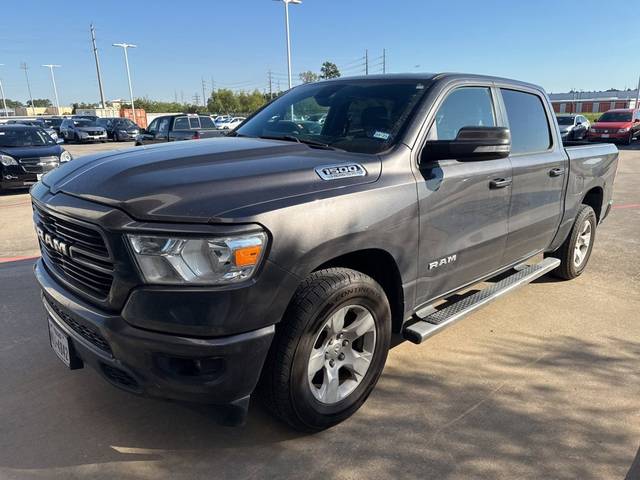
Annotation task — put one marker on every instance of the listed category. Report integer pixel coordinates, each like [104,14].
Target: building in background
[30,112]
[592,102]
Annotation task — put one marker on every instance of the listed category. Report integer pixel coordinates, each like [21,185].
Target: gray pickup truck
[282,258]
[175,127]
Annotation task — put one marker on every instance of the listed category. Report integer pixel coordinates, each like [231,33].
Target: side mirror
[471,144]
[578,123]
[59,140]
[636,120]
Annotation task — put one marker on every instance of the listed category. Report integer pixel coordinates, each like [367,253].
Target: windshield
[85,123]
[565,120]
[615,117]
[24,137]
[52,122]
[363,116]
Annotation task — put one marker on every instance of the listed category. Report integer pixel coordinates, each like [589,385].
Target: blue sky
[549,42]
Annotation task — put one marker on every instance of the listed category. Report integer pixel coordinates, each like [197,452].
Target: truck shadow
[427,418]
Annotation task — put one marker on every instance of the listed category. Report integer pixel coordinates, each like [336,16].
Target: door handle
[556,172]
[499,183]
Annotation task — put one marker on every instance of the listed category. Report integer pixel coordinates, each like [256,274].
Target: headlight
[200,261]
[623,130]
[6,160]
[65,156]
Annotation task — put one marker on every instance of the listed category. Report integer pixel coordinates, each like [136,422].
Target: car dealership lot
[541,384]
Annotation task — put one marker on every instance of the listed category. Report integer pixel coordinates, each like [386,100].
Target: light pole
[4,100]
[286,20]
[25,67]
[638,95]
[55,89]
[125,47]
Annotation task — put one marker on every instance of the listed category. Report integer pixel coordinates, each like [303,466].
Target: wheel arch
[381,266]
[594,198]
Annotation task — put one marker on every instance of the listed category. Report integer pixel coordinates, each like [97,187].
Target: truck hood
[209,180]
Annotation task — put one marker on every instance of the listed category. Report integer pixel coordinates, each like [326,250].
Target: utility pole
[182,96]
[638,94]
[270,85]
[196,99]
[384,60]
[204,95]
[25,67]
[175,96]
[95,55]
[213,84]
[4,100]
[55,89]
[366,62]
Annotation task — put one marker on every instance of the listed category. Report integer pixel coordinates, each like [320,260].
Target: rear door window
[528,122]
[194,122]
[181,123]
[464,107]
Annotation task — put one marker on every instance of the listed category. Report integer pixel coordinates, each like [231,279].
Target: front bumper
[607,137]
[222,370]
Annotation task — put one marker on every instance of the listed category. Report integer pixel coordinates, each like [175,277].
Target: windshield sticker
[381,135]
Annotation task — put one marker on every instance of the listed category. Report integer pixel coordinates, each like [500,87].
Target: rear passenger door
[463,218]
[539,167]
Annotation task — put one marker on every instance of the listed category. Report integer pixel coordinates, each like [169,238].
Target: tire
[328,301]
[570,267]
[629,140]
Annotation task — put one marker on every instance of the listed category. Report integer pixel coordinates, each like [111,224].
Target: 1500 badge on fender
[345,170]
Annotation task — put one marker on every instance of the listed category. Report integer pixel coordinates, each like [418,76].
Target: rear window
[527,121]
[194,122]
[206,122]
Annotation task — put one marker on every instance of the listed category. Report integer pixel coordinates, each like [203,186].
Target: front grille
[95,133]
[88,333]
[86,264]
[39,165]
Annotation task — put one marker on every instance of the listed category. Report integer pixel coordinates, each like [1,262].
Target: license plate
[60,343]
[605,135]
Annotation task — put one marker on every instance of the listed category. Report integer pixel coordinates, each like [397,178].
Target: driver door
[463,204]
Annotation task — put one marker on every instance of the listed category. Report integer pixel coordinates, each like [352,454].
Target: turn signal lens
[248,256]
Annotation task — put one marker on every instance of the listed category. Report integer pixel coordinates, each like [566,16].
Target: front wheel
[574,253]
[329,349]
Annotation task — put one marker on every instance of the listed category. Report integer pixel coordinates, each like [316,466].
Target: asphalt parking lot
[541,384]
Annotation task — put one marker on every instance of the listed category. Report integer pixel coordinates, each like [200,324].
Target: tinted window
[181,123]
[153,126]
[163,126]
[527,122]
[206,122]
[464,107]
[194,122]
[24,137]
[362,116]
[565,120]
[616,117]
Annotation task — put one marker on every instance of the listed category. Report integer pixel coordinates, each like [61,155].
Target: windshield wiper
[293,138]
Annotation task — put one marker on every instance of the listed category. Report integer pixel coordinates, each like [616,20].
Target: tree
[223,101]
[40,102]
[329,70]
[308,77]
[13,103]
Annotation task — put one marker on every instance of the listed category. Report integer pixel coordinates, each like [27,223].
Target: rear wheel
[629,139]
[329,349]
[574,253]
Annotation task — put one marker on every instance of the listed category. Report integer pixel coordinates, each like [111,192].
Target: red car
[622,125]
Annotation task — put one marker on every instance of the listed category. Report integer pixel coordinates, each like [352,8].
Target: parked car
[119,129]
[171,128]
[288,257]
[221,119]
[82,130]
[621,125]
[573,127]
[26,153]
[232,123]
[53,122]
[37,123]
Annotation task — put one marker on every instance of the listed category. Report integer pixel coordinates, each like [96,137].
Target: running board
[438,320]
